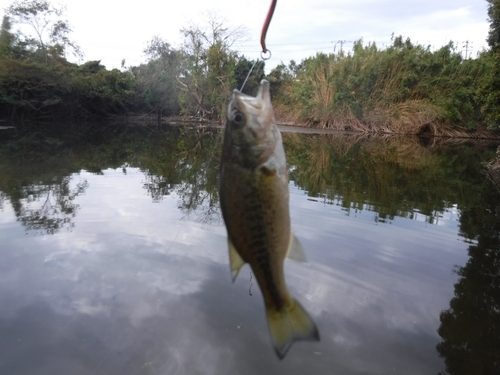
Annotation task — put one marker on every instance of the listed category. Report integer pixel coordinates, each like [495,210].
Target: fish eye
[239,118]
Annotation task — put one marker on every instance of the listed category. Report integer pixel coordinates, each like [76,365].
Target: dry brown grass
[410,117]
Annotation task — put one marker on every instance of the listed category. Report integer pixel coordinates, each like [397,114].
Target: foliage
[103,92]
[34,90]
[156,81]
[208,68]
[38,83]
[241,73]
[51,31]
[6,38]
[32,87]
[494,17]
[490,90]
[404,85]
[405,88]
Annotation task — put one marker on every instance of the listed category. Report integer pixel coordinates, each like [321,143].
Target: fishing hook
[264,31]
[263,40]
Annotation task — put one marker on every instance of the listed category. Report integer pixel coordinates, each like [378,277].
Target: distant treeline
[405,88]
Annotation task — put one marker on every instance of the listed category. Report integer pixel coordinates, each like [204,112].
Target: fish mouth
[252,121]
[251,105]
[263,95]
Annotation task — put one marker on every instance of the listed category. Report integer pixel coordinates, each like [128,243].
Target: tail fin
[290,324]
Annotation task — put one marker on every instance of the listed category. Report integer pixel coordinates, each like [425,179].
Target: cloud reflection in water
[139,288]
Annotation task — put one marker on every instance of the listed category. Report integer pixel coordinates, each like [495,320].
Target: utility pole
[341,44]
[466,46]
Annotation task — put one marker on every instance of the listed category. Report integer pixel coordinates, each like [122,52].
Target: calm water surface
[113,259]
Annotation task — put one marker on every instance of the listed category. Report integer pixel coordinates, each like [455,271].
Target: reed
[405,88]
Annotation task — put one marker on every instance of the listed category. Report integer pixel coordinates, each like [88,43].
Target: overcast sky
[110,30]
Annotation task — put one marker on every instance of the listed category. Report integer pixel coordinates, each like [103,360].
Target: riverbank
[287,124]
[117,124]
[422,130]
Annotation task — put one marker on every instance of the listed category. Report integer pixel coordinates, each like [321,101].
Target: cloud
[111,31]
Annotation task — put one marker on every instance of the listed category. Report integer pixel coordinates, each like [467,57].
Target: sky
[110,31]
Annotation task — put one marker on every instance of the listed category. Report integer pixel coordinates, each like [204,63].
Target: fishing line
[255,63]
[264,57]
[213,150]
[250,72]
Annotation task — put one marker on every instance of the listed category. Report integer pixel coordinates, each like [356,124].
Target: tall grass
[404,88]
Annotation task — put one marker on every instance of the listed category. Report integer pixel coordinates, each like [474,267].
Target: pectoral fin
[295,250]
[235,260]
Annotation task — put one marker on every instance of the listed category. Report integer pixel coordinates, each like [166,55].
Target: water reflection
[48,208]
[45,205]
[393,176]
[141,285]
[470,328]
[388,175]
[187,166]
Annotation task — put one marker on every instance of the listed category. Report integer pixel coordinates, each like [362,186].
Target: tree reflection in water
[188,167]
[42,202]
[470,328]
[49,208]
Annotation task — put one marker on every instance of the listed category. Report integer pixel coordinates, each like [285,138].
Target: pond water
[113,258]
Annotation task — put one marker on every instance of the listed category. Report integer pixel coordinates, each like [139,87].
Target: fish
[254,199]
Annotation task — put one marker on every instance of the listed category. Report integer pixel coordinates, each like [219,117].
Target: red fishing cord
[265,27]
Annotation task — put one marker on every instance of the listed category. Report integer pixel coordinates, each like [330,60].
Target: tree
[157,79]
[242,70]
[6,38]
[208,67]
[45,20]
[491,92]
[494,16]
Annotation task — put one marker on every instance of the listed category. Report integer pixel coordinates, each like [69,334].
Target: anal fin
[295,250]
[235,260]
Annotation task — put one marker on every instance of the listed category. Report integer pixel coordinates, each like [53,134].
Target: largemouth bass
[254,201]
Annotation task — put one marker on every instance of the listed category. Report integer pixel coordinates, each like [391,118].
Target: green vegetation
[36,80]
[490,89]
[38,83]
[405,88]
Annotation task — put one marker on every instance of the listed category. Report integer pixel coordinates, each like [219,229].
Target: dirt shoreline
[287,126]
